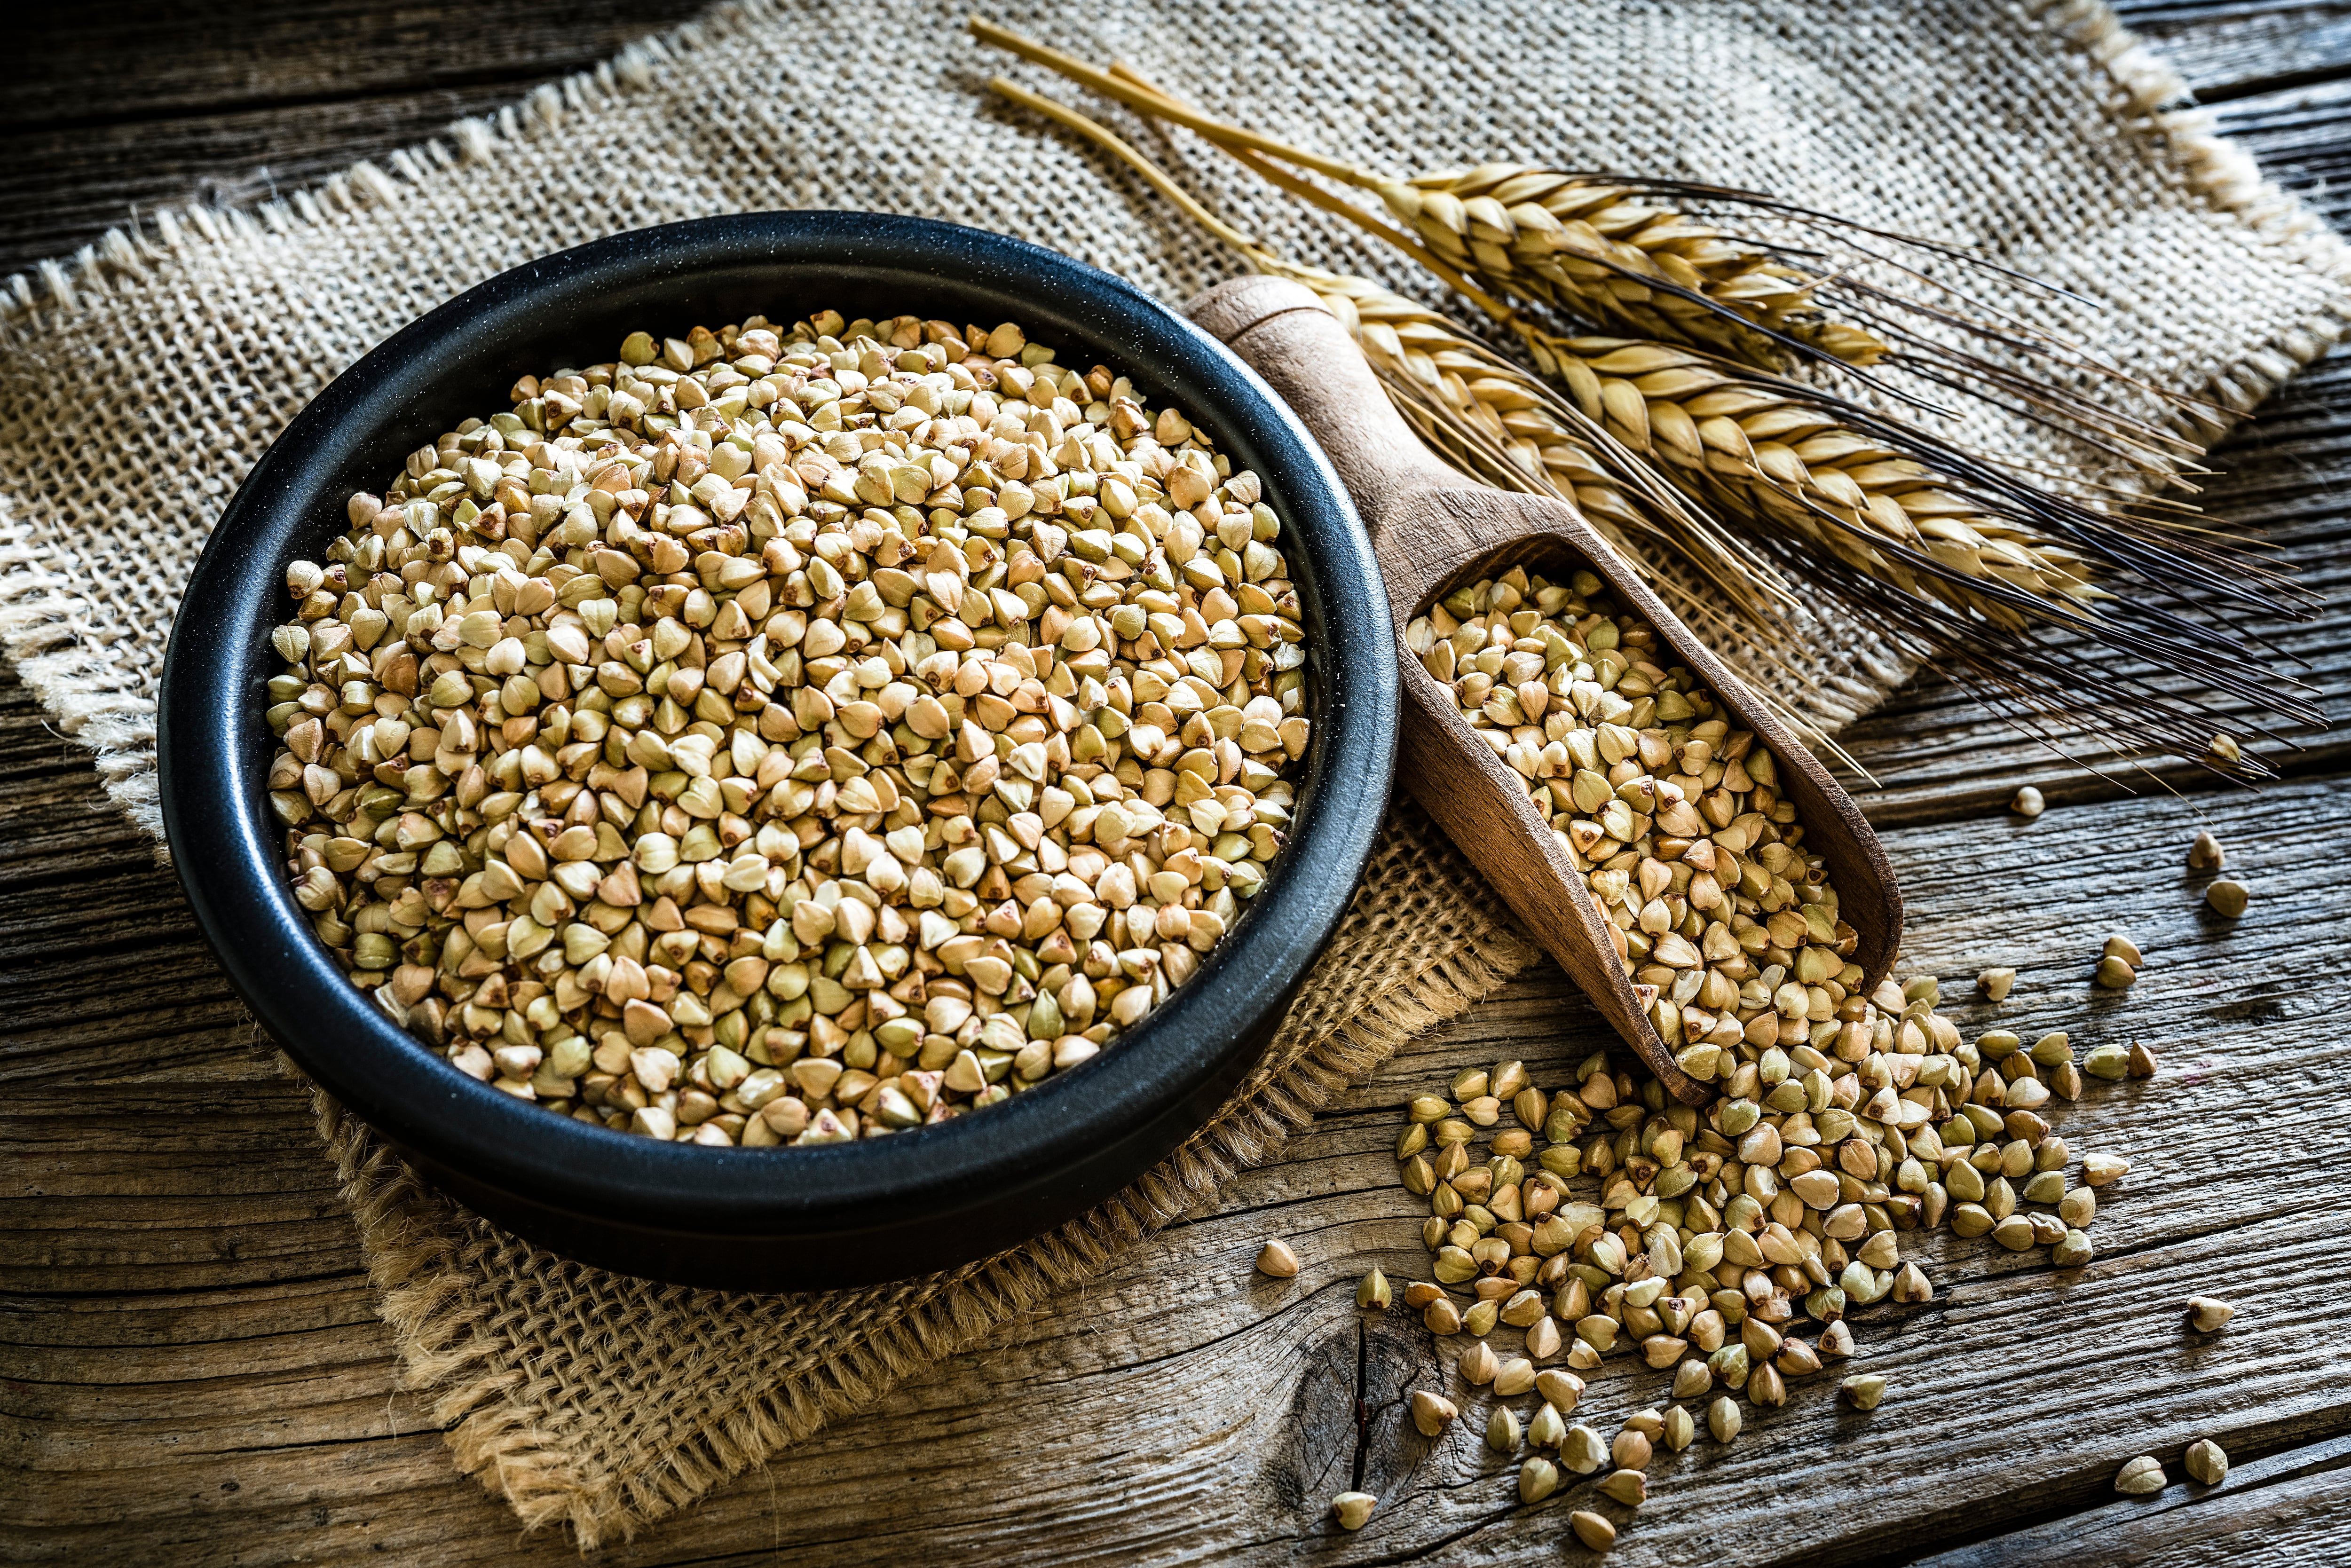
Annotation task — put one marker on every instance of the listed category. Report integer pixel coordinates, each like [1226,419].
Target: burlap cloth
[139,379]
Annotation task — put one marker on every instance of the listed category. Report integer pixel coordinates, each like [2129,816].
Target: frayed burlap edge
[439,1325]
[40,612]
[2229,178]
[96,701]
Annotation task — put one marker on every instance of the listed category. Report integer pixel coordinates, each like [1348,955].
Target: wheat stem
[1832,491]
[1619,253]
[1108,86]
[1572,240]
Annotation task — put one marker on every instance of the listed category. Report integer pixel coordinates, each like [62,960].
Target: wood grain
[144,103]
[146,59]
[2242,49]
[2294,1504]
[191,1372]
[185,1309]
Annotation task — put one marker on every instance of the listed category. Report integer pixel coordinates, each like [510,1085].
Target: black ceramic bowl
[767,1219]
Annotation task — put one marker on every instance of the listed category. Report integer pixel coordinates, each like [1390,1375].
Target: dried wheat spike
[1612,255]
[1754,445]
[1499,423]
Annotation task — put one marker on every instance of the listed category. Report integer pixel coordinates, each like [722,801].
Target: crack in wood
[1362,1410]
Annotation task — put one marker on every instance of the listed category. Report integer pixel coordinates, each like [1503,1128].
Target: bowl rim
[224,842]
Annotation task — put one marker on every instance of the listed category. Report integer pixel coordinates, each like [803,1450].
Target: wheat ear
[1841,505]
[1622,255]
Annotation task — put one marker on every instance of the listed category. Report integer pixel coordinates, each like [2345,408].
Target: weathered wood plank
[147,59]
[2236,48]
[2290,1507]
[2281,480]
[1181,1407]
[139,104]
[69,186]
[2299,135]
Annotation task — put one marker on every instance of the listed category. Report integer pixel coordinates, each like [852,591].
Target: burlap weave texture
[2035,129]
[138,383]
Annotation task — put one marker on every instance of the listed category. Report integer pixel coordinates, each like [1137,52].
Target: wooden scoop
[1431,527]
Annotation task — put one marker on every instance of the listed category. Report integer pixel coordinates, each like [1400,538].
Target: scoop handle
[1429,524]
[1305,355]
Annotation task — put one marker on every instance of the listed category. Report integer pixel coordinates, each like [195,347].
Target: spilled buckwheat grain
[1725,1245]
[787,735]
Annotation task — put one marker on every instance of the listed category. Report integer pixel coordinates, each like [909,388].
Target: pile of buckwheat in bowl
[785,737]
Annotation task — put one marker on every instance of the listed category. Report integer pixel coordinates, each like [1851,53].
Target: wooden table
[191,1372]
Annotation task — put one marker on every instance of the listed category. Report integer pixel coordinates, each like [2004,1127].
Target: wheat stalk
[1497,422]
[1599,250]
[1617,254]
[1843,500]
[1769,452]
[1589,244]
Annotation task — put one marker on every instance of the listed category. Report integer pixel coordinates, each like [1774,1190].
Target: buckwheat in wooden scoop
[1665,804]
